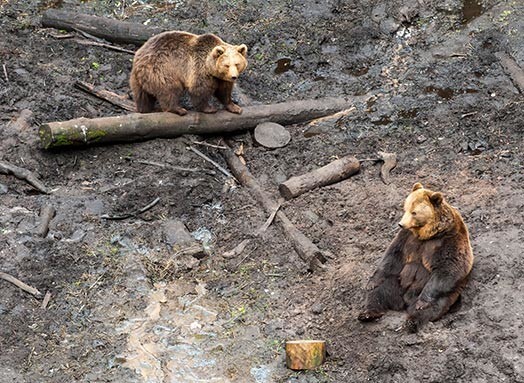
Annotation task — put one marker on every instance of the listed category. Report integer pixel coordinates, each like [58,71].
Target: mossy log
[305,354]
[136,126]
[333,172]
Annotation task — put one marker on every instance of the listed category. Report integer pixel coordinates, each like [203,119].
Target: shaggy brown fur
[426,266]
[172,62]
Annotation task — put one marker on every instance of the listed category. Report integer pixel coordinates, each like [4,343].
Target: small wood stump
[271,135]
[305,354]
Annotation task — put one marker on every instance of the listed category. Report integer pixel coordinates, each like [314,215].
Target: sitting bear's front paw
[369,316]
[421,305]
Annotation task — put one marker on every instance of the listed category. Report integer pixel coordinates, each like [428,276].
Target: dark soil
[126,307]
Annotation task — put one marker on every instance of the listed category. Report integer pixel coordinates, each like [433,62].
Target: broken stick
[390,162]
[515,72]
[306,249]
[135,127]
[107,95]
[326,175]
[46,215]
[20,284]
[23,174]
[305,354]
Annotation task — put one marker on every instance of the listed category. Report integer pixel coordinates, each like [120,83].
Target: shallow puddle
[471,9]
[283,65]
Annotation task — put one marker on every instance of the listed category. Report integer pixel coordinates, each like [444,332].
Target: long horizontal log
[108,29]
[136,127]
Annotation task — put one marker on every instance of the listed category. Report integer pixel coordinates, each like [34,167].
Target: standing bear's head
[228,61]
[426,213]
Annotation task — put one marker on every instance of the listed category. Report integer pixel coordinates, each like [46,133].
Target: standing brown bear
[426,267]
[172,62]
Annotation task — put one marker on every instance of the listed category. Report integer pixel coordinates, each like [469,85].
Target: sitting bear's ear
[242,49]
[218,51]
[436,198]
[417,186]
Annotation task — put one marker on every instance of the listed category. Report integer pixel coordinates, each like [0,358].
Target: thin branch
[133,214]
[216,164]
[20,284]
[104,45]
[23,174]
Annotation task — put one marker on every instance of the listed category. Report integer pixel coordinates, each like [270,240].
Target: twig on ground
[20,284]
[46,215]
[214,163]
[23,174]
[5,73]
[46,300]
[206,144]
[238,249]
[468,114]
[106,95]
[132,214]
[104,45]
[270,219]
[173,167]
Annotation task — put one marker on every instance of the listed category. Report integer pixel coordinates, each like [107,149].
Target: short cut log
[326,175]
[305,354]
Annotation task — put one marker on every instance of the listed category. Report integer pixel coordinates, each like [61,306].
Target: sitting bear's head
[425,213]
[228,61]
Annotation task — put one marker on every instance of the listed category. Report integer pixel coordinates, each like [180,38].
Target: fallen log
[306,249]
[135,127]
[108,29]
[333,172]
[305,354]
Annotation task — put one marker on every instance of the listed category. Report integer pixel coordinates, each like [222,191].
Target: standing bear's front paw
[234,108]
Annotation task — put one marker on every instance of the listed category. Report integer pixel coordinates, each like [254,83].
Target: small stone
[3,189]
[317,308]
[421,139]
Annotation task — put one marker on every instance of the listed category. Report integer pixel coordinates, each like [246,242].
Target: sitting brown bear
[173,62]
[427,265]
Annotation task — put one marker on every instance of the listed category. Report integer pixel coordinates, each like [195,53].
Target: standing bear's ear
[218,51]
[436,198]
[242,49]
[417,186]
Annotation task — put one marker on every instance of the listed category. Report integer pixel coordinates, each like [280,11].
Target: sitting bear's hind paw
[369,316]
[411,326]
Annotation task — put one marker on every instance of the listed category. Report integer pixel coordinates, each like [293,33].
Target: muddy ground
[126,308]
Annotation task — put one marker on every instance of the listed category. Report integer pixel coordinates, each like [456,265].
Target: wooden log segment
[333,172]
[105,28]
[305,354]
[136,126]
